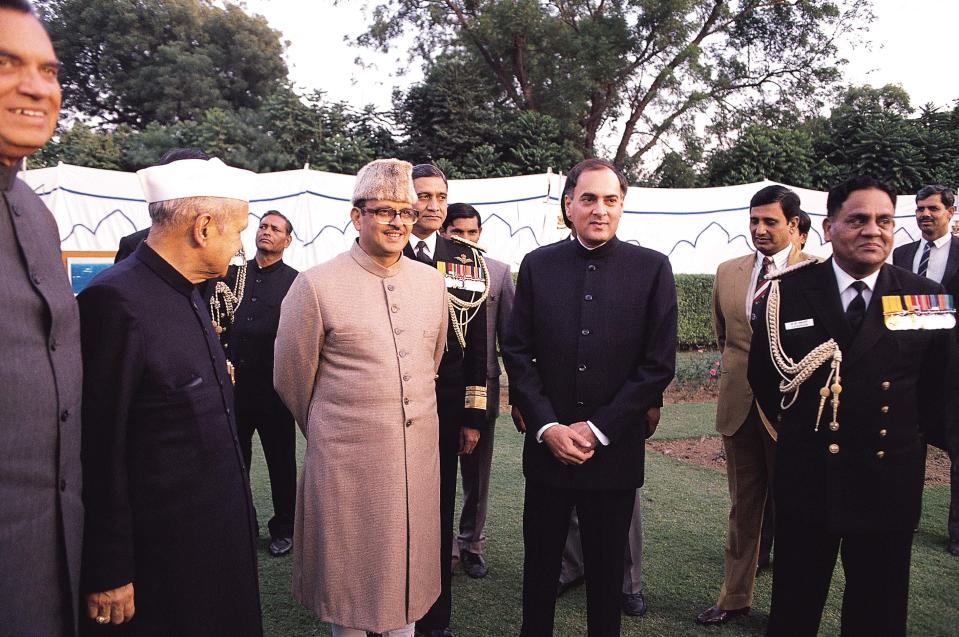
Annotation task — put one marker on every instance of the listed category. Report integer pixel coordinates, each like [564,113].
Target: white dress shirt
[938,255]
[846,292]
[780,259]
[430,244]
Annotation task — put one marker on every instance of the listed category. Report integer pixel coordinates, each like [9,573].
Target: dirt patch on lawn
[708,452]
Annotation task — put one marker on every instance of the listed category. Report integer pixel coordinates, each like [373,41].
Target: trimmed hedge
[693,294]
[695,323]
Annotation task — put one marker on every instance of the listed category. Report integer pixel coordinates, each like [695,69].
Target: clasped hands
[576,443]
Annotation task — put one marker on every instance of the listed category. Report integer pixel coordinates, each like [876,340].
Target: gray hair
[172,213]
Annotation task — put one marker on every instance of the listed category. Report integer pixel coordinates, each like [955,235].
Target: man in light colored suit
[739,293]
[41,515]
[938,260]
[463,220]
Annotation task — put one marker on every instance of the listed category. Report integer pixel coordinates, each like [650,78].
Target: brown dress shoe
[714,615]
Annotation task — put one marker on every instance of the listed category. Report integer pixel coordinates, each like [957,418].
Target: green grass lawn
[684,507]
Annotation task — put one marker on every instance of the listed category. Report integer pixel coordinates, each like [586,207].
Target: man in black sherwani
[849,474]
[591,347]
[169,547]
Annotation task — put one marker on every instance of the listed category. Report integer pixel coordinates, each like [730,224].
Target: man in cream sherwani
[359,343]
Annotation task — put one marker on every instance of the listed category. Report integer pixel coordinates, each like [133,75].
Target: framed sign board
[83,265]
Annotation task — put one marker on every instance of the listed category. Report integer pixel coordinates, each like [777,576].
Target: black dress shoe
[281,546]
[565,586]
[714,615]
[634,604]
[473,564]
[953,548]
[763,565]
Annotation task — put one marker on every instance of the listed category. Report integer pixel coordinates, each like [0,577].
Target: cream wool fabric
[357,351]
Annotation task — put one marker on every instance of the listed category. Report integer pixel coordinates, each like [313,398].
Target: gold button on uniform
[884,409]
[885,385]
[834,448]
[834,426]
[880,454]
[882,433]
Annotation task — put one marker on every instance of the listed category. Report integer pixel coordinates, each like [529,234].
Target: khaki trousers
[750,462]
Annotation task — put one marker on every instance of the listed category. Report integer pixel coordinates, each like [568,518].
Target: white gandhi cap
[195,178]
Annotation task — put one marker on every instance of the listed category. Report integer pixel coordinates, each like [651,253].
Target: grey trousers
[475,471]
[572,567]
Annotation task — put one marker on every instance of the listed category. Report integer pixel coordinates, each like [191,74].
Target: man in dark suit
[266,280]
[461,383]
[169,547]
[463,220]
[130,242]
[849,456]
[938,259]
[591,347]
[41,516]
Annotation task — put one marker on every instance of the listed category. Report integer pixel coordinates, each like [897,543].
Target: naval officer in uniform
[461,384]
[864,359]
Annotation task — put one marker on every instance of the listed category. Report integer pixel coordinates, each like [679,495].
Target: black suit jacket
[904,255]
[165,488]
[592,337]
[461,369]
[894,387]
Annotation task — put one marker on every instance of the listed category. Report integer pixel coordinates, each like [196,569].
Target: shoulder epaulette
[776,274]
[467,242]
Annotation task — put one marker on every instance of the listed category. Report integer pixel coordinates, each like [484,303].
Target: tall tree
[638,69]
[126,62]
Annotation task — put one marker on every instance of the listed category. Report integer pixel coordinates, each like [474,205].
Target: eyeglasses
[385,216]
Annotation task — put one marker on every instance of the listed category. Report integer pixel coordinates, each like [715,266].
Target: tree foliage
[639,68]
[161,61]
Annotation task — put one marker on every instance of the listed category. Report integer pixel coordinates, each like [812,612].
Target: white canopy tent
[697,228]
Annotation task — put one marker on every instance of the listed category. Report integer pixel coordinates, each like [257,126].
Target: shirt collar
[844,280]
[943,240]
[780,259]
[430,243]
[594,247]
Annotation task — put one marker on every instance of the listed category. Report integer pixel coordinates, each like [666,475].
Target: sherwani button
[885,409]
[882,433]
[588,297]
[585,332]
[397,331]
[390,287]
[591,267]
[406,376]
[402,353]
[406,401]
[885,385]
[394,308]
[880,454]
[582,368]
[409,423]
[834,448]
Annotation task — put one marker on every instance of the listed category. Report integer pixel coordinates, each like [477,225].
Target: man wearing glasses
[359,343]
[461,386]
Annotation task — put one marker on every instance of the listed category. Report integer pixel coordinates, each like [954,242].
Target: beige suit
[357,351]
[748,443]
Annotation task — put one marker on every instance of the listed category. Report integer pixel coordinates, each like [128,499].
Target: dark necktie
[421,254]
[762,287]
[856,310]
[924,260]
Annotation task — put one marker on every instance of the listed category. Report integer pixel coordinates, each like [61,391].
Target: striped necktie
[924,260]
[762,284]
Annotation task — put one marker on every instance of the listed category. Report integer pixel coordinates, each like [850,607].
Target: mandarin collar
[366,262]
[596,253]
[267,269]
[164,270]
[8,175]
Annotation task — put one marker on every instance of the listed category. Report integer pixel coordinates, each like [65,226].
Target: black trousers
[876,566]
[267,415]
[604,518]
[439,614]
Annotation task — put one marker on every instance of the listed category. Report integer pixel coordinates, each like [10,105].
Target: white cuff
[539,434]
[603,440]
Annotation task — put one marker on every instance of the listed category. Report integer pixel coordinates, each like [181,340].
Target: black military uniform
[460,402]
[258,407]
[164,484]
[855,484]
